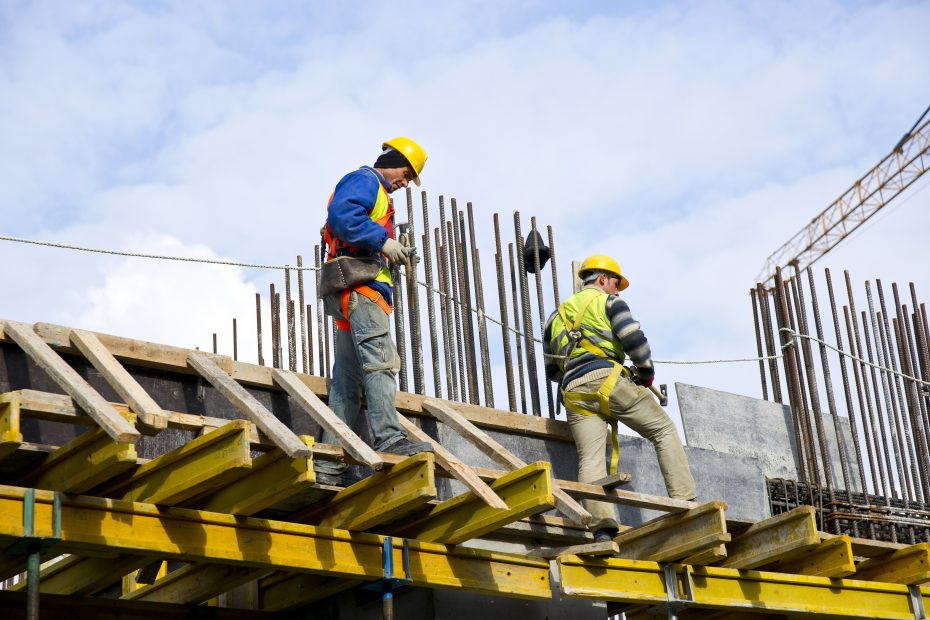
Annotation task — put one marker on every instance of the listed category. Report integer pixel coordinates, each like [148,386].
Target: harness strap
[365,291]
[573,399]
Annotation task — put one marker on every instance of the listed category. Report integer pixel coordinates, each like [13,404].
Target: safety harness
[573,399]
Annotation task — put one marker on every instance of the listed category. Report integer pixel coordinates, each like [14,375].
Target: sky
[687,139]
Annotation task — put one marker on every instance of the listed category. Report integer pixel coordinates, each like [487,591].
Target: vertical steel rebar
[540,306]
[479,301]
[258,328]
[275,362]
[413,301]
[913,411]
[456,307]
[755,324]
[461,252]
[291,327]
[277,316]
[527,318]
[451,317]
[321,319]
[850,410]
[887,442]
[516,321]
[917,371]
[235,342]
[309,326]
[555,275]
[430,304]
[214,343]
[303,318]
[800,388]
[448,323]
[399,329]
[765,312]
[877,470]
[502,303]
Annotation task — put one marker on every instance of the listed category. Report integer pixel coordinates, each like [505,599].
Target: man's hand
[412,256]
[645,376]
[394,252]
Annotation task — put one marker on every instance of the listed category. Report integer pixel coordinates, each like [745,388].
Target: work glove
[394,252]
[645,376]
[412,256]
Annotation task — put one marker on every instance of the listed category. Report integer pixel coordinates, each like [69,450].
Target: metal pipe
[303,318]
[755,324]
[502,304]
[430,307]
[33,572]
[901,423]
[413,300]
[540,306]
[516,320]
[258,327]
[527,318]
[448,345]
[854,427]
[482,323]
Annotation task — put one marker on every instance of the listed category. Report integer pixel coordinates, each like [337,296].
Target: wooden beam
[283,591]
[581,490]
[11,438]
[459,470]
[499,454]
[325,417]
[205,464]
[85,575]
[613,480]
[282,436]
[272,478]
[707,557]
[676,536]
[72,383]
[148,412]
[909,566]
[195,583]
[594,549]
[832,558]
[88,460]
[386,496]
[781,537]
[527,491]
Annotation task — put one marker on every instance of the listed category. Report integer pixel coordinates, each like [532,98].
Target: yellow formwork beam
[283,591]
[910,565]
[526,491]
[389,494]
[90,524]
[782,537]
[675,536]
[10,436]
[199,466]
[737,591]
[272,477]
[84,575]
[88,460]
[833,558]
[194,583]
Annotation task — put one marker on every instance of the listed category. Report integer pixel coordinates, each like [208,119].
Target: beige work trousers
[635,407]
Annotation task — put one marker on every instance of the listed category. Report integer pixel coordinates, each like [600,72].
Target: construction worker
[360,224]
[586,341]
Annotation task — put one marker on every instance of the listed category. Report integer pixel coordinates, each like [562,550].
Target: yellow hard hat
[602,262]
[414,153]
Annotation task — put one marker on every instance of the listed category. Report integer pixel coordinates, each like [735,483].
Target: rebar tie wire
[479,313]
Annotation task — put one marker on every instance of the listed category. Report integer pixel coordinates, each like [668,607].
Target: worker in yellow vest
[359,235]
[586,341]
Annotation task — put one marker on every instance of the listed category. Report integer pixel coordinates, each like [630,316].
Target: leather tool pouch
[345,272]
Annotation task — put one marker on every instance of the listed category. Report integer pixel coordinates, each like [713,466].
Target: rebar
[309,321]
[516,320]
[482,323]
[413,301]
[430,307]
[913,411]
[275,361]
[766,316]
[555,275]
[258,328]
[755,324]
[461,254]
[399,331]
[799,387]
[527,318]
[291,327]
[877,470]
[446,311]
[540,305]
[502,304]
[235,335]
[214,343]
[455,305]
[321,320]
[304,356]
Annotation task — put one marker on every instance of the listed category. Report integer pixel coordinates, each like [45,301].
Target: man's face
[397,177]
[609,284]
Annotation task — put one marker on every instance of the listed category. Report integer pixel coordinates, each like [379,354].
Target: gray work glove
[413,257]
[394,252]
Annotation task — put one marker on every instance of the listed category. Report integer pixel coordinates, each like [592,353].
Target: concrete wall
[758,429]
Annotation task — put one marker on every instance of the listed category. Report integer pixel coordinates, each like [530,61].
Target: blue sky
[687,139]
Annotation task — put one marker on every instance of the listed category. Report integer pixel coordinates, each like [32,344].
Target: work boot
[344,479]
[605,534]
[404,447]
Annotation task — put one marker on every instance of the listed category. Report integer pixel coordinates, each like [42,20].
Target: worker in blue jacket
[360,223]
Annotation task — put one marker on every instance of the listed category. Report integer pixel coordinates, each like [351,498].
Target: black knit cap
[391,158]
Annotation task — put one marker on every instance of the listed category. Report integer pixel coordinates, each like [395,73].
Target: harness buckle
[575,336]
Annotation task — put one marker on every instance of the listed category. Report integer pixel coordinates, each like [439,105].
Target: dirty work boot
[344,479]
[404,447]
[605,534]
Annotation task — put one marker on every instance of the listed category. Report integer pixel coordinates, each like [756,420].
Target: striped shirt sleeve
[628,333]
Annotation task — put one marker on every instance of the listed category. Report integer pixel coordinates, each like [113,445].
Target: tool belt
[365,291]
[573,399]
[346,272]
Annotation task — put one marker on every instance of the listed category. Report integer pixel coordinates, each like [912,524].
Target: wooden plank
[195,583]
[272,478]
[459,470]
[284,591]
[282,436]
[613,480]
[707,557]
[676,536]
[526,491]
[11,438]
[580,490]
[909,566]
[596,549]
[388,495]
[72,383]
[325,417]
[781,537]
[832,558]
[205,464]
[144,406]
[499,454]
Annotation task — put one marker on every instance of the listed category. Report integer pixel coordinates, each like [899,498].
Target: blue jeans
[366,361]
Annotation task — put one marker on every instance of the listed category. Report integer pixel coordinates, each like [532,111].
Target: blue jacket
[348,215]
